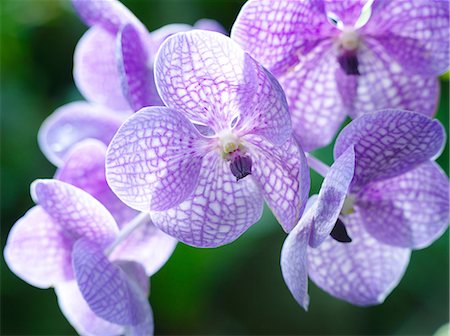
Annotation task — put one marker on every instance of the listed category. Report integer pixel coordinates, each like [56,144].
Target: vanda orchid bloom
[381,198]
[84,167]
[139,248]
[348,57]
[65,242]
[203,165]
[113,62]
[101,76]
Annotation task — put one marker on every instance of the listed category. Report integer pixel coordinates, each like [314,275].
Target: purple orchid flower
[203,164]
[65,242]
[84,168]
[121,75]
[348,57]
[381,198]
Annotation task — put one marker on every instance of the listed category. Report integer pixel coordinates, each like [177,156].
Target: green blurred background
[235,289]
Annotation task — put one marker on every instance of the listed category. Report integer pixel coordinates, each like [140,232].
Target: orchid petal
[81,317]
[109,14]
[159,35]
[269,113]
[37,251]
[384,84]
[346,11]
[410,210]
[154,161]
[217,82]
[277,33]
[206,76]
[415,33]
[293,259]
[77,213]
[137,77]
[283,176]
[388,143]
[332,196]
[219,210]
[362,272]
[107,289]
[73,123]
[84,168]
[313,93]
[96,69]
[211,25]
[148,246]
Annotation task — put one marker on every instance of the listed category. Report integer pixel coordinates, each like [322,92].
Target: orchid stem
[127,230]
[317,165]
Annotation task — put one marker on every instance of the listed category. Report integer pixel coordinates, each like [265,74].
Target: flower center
[229,142]
[349,203]
[349,41]
[236,154]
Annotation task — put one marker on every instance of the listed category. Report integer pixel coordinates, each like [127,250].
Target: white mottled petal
[76,212]
[283,176]
[277,33]
[154,160]
[206,76]
[314,96]
[383,83]
[81,317]
[293,259]
[219,210]
[362,272]
[389,143]
[109,290]
[146,245]
[38,251]
[73,123]
[331,197]
[410,210]
[96,70]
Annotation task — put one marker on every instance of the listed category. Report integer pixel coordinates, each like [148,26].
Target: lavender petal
[136,74]
[212,83]
[314,96]
[211,25]
[268,114]
[218,211]
[283,176]
[96,70]
[388,143]
[410,210]
[154,160]
[37,251]
[415,33]
[384,84]
[362,272]
[81,317]
[293,259]
[84,167]
[346,11]
[73,123]
[278,33]
[148,246]
[331,197]
[107,289]
[76,212]
[109,14]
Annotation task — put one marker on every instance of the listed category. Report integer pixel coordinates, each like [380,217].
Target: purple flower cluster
[186,133]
